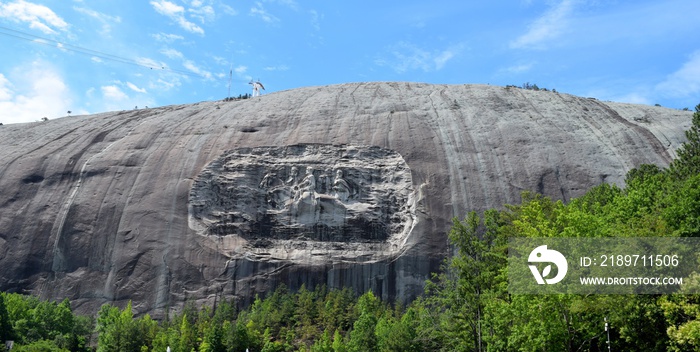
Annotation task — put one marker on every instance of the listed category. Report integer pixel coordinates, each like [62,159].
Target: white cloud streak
[172,53]
[229,10]
[167,8]
[289,3]
[113,93]
[685,82]
[516,69]
[38,16]
[148,62]
[177,14]
[259,11]
[404,57]
[316,20]
[205,14]
[547,27]
[196,69]
[115,98]
[135,88]
[167,37]
[105,19]
[276,68]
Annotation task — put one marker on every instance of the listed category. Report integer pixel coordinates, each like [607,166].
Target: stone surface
[306,204]
[164,205]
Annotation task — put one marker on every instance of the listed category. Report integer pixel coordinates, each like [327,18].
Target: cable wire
[9,32]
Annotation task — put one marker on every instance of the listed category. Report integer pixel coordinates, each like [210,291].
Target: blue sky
[94,56]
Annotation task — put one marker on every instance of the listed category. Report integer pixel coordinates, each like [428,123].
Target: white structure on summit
[257,86]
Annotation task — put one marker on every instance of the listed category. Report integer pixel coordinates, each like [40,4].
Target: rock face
[306,204]
[348,185]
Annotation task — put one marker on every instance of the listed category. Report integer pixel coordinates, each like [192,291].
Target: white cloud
[113,93]
[166,84]
[220,60]
[632,98]
[205,14]
[289,3]
[259,11]
[177,14]
[167,8]
[189,26]
[135,88]
[114,98]
[6,92]
[405,56]
[31,92]
[229,10]
[196,69]
[148,62]
[166,37]
[96,59]
[631,91]
[316,19]
[241,69]
[516,69]
[38,16]
[61,47]
[442,58]
[172,53]
[105,19]
[276,68]
[685,81]
[547,27]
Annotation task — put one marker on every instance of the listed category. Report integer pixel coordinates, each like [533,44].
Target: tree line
[465,307]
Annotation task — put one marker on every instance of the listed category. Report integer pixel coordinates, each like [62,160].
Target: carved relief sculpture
[367,198]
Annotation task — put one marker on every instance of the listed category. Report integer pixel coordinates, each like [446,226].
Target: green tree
[688,161]
[362,336]
[39,346]
[213,337]
[641,174]
[472,278]
[187,340]
[682,312]
[323,344]
[338,342]
[119,331]
[5,324]
[108,328]
[337,310]
[681,208]
[397,333]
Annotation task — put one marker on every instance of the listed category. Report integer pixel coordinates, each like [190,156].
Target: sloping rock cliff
[348,185]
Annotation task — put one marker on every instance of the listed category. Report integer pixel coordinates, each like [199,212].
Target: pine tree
[688,161]
[5,325]
[338,343]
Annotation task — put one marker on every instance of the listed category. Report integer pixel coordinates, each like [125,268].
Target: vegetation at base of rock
[36,325]
[466,307]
